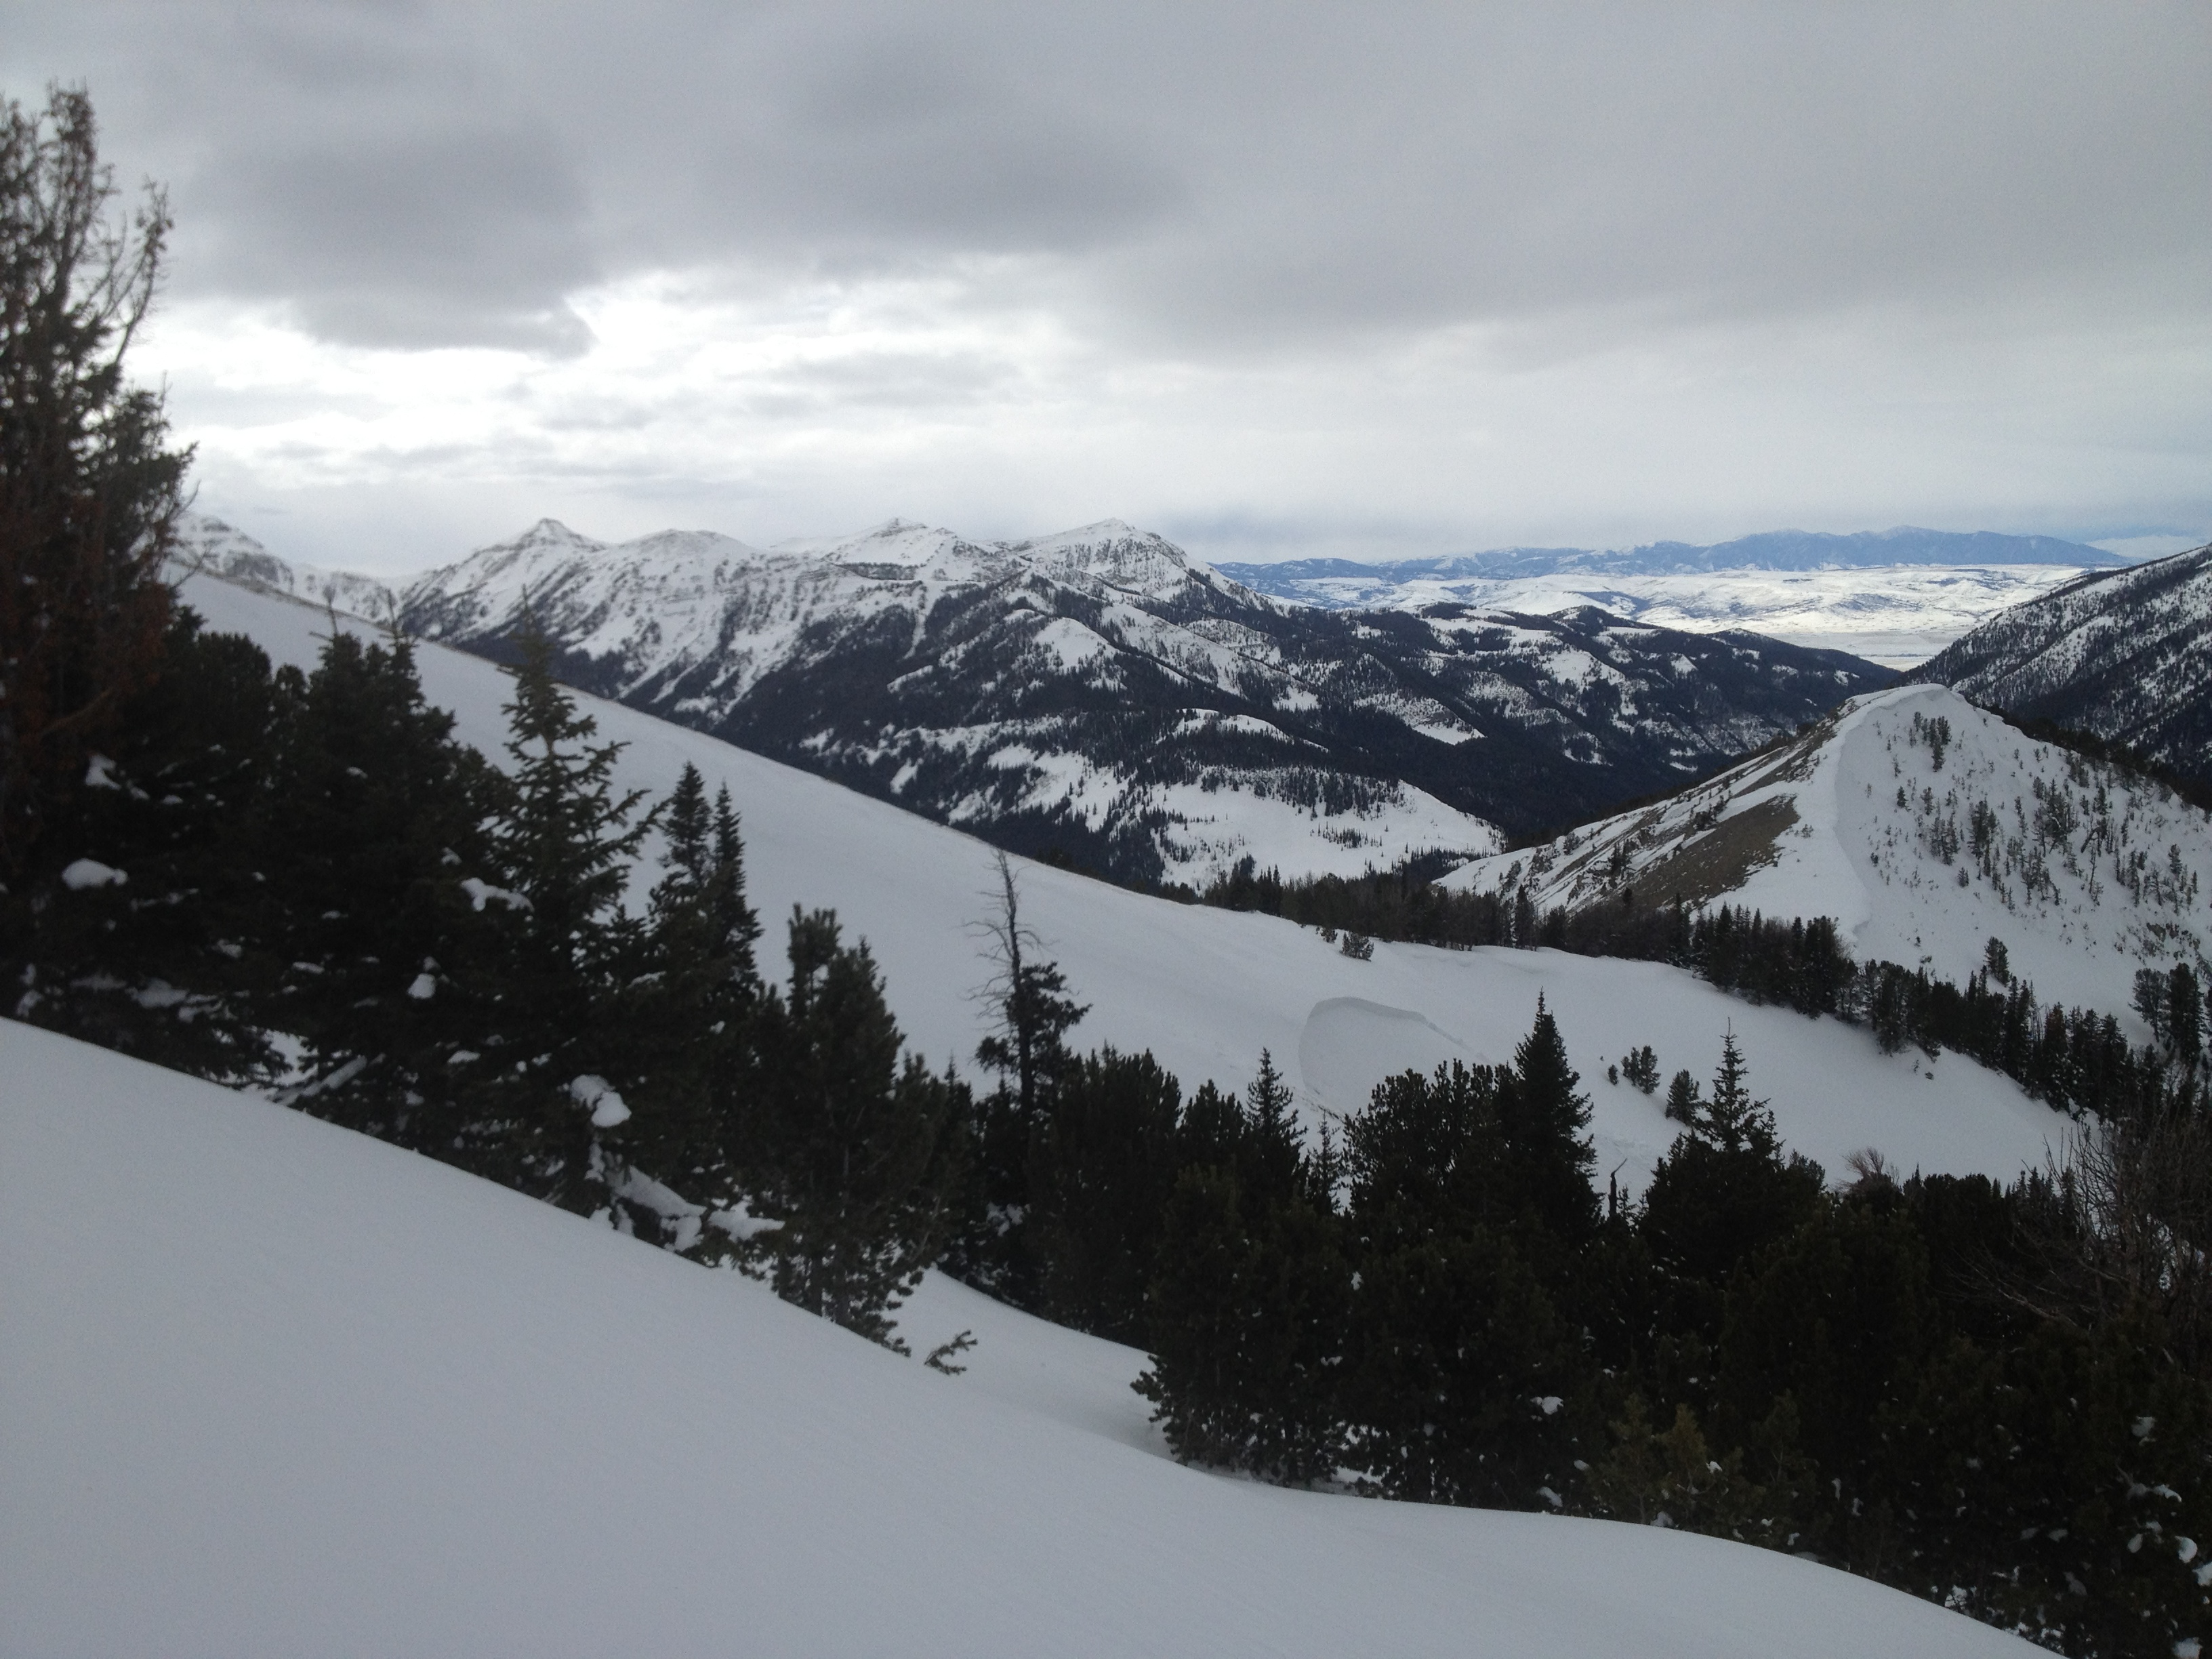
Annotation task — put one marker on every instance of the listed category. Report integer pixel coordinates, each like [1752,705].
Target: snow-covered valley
[1898,615]
[1896,596]
[273,1388]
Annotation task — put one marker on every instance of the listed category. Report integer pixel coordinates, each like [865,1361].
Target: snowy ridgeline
[1101,696]
[210,546]
[1926,827]
[2126,655]
[1206,990]
[694,624]
[283,1391]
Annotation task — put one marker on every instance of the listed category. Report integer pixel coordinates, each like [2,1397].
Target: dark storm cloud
[1255,177]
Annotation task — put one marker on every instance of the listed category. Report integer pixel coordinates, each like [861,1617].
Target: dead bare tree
[2128,1226]
[1028,996]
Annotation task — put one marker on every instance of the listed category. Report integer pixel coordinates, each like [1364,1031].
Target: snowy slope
[1923,851]
[2126,655]
[276,1389]
[1206,990]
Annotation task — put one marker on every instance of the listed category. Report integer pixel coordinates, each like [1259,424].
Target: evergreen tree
[149,929]
[1247,1317]
[1102,1172]
[1247,1307]
[1836,1317]
[859,1157]
[89,492]
[569,838]
[737,929]
[1732,1120]
[688,827]
[1544,1121]
[1271,1147]
[1724,1189]
[388,968]
[1683,1098]
[2184,1015]
[1454,1340]
[547,1096]
[688,1013]
[1641,1067]
[1427,1155]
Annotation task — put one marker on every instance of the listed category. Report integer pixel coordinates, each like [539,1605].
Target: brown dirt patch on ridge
[1720,860]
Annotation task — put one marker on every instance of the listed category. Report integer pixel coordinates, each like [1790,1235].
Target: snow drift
[273,1389]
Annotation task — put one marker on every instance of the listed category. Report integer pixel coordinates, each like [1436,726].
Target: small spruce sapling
[1683,1098]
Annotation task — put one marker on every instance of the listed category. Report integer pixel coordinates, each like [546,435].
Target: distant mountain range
[1773,550]
[1100,696]
[2125,655]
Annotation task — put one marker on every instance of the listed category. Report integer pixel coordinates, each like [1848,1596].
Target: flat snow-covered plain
[1898,616]
[1206,990]
[272,1389]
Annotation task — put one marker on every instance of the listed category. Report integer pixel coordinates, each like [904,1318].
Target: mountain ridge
[1100,696]
[1925,827]
[2124,655]
[1100,692]
[1773,550]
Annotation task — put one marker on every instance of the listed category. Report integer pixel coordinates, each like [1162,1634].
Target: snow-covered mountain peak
[550,533]
[208,544]
[894,542]
[1926,827]
[694,545]
[1118,555]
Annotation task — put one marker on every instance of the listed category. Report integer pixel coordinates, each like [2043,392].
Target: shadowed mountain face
[1100,695]
[2126,656]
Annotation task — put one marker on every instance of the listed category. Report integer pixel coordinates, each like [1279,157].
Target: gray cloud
[1231,176]
[406,238]
[1401,277]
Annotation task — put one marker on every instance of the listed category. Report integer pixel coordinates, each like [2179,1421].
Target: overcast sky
[1278,280]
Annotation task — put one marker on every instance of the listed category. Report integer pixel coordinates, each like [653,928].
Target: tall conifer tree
[1545,1120]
